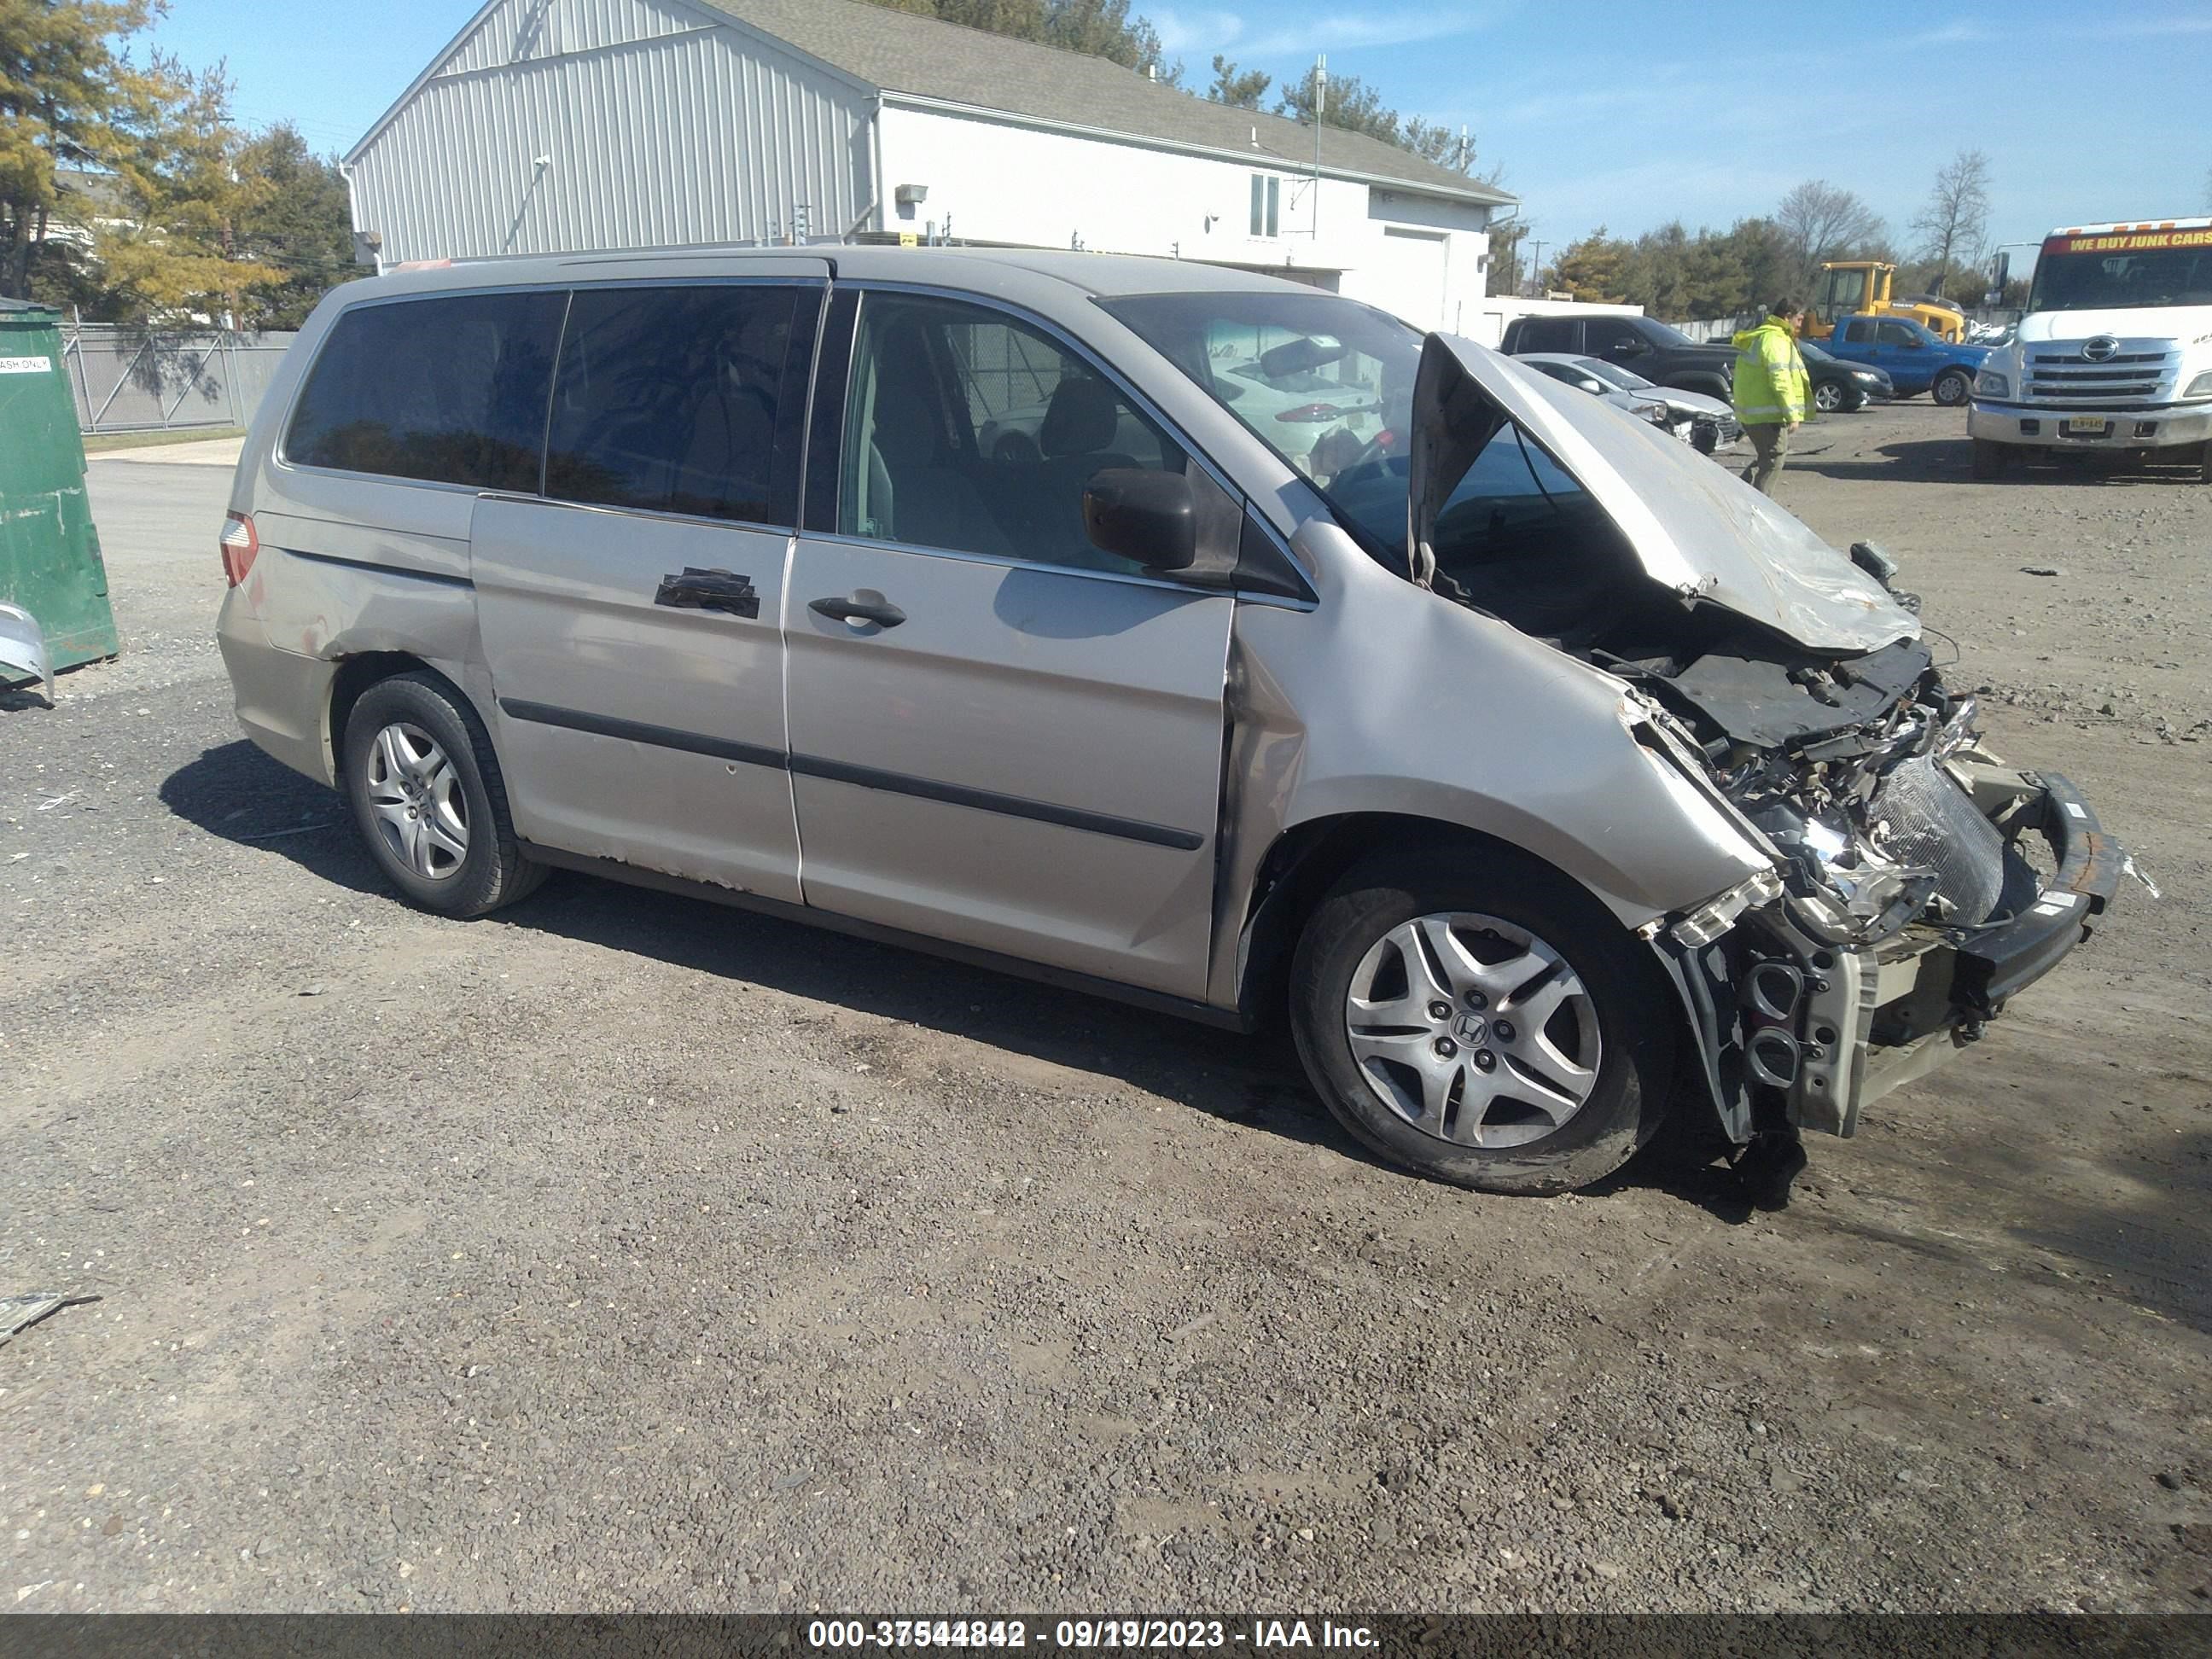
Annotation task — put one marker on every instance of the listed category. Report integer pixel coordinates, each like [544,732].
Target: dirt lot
[620,1251]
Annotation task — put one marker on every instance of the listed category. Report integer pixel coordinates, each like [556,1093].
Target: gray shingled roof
[900,51]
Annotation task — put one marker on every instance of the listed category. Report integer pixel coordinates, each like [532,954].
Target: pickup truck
[1663,355]
[1915,360]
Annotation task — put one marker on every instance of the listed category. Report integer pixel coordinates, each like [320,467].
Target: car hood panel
[1696,528]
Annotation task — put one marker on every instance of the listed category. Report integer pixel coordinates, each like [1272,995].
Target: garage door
[1410,281]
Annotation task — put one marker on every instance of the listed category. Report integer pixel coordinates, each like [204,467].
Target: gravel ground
[623,1252]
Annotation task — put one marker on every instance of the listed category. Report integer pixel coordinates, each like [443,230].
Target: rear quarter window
[448,390]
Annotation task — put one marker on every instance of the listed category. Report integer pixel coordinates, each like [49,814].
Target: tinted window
[968,430]
[675,399]
[1603,335]
[1858,332]
[451,390]
[1547,334]
[1897,334]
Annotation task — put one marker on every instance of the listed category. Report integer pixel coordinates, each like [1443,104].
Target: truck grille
[2131,375]
[1931,823]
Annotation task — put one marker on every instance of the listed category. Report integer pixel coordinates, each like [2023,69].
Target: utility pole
[1321,107]
[1535,270]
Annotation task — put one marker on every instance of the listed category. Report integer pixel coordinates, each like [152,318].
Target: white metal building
[563,126]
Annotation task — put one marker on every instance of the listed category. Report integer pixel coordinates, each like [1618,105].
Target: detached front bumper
[1800,1032]
[2161,426]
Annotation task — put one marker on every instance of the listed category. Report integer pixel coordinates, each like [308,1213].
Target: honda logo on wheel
[2098,349]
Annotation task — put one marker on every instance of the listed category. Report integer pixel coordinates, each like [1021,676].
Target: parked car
[1662,355]
[1840,388]
[1915,360]
[1550,779]
[1704,423]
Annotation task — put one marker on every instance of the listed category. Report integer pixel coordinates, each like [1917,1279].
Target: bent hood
[1696,528]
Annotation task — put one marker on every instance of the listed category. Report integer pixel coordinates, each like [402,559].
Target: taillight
[239,544]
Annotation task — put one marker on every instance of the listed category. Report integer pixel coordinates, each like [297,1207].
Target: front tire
[1827,396]
[1952,388]
[1479,1019]
[428,799]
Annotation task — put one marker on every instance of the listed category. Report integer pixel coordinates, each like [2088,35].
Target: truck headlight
[1990,384]
[2201,387]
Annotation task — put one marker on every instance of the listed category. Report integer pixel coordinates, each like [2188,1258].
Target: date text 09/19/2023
[1088,1634]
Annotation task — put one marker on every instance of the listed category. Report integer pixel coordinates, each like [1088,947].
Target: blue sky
[1625,115]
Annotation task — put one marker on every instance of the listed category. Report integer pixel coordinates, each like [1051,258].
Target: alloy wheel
[1827,396]
[416,802]
[1474,1030]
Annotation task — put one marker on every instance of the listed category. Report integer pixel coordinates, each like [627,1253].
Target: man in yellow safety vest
[1772,390]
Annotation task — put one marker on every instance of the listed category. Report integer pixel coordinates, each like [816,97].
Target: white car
[1704,423]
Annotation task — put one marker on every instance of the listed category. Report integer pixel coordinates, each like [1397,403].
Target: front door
[631,615]
[1000,736]
[1902,350]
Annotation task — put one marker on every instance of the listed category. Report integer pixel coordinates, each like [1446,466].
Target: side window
[451,390]
[967,430]
[680,400]
[1604,333]
[1548,334]
[1859,331]
[1897,334]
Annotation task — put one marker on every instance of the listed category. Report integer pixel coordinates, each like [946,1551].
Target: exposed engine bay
[1922,881]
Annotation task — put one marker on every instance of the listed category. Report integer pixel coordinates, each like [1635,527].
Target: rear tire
[1425,1062]
[429,799]
[1952,388]
[1992,460]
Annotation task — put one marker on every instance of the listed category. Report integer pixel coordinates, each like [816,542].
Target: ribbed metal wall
[517,31]
[695,134]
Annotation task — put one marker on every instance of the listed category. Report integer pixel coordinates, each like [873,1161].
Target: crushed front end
[1920,881]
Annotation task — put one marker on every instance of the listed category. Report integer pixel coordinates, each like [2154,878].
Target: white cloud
[1341,31]
[1195,31]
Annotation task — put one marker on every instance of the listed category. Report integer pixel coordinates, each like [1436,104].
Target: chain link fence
[134,380]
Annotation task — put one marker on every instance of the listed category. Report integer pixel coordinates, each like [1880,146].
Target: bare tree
[1952,224]
[1819,221]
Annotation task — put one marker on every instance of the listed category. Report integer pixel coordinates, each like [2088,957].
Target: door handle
[694,589]
[881,612]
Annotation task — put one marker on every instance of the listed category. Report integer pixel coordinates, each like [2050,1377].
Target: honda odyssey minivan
[1550,779]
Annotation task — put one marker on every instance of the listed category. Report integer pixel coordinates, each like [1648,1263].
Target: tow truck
[2114,355]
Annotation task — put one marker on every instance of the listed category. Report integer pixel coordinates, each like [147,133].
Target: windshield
[1613,373]
[2122,272]
[1519,537]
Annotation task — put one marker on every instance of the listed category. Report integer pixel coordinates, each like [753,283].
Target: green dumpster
[50,563]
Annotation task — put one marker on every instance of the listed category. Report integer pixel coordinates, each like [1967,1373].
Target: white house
[565,125]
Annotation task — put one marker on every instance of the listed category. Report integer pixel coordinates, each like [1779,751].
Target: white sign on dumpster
[25,365]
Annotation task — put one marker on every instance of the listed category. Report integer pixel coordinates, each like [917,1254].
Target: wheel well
[355,676]
[1306,862]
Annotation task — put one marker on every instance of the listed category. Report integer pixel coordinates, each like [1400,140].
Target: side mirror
[1914,342]
[1592,386]
[1629,348]
[1148,518]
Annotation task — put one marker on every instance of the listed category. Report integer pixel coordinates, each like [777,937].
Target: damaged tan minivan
[1185,636]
